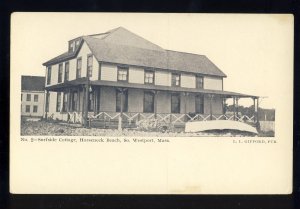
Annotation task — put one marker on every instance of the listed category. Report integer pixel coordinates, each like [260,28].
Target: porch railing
[173,118]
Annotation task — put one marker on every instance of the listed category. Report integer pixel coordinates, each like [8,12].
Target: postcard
[151,103]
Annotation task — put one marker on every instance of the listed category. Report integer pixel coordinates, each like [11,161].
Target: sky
[254,51]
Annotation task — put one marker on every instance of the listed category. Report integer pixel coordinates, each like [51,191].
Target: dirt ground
[35,128]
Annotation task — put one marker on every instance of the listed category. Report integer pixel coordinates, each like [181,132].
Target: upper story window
[36,97]
[199,82]
[90,65]
[67,66]
[149,76]
[60,72]
[175,79]
[48,75]
[28,97]
[78,67]
[122,74]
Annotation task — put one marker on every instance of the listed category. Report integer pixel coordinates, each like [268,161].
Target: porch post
[83,105]
[254,109]
[237,108]
[257,109]
[155,104]
[210,104]
[234,109]
[78,99]
[94,100]
[47,104]
[121,111]
[86,100]
[185,98]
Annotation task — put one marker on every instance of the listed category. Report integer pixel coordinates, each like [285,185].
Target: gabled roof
[124,47]
[33,83]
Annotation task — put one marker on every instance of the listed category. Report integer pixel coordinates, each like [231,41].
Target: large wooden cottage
[119,75]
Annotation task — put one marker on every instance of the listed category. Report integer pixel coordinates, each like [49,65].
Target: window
[199,82]
[72,46]
[74,98]
[27,108]
[175,103]
[28,97]
[90,65]
[47,102]
[199,104]
[148,102]
[175,79]
[78,68]
[35,108]
[58,102]
[67,71]
[36,98]
[65,102]
[122,74]
[121,98]
[21,97]
[60,71]
[49,75]
[149,77]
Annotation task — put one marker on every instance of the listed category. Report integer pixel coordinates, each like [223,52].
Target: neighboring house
[119,74]
[32,96]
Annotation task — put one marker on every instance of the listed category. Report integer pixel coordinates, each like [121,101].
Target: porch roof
[83,81]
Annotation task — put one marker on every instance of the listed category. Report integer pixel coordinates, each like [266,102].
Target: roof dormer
[74,44]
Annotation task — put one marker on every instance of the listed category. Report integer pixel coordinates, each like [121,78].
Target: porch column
[185,94]
[86,100]
[121,111]
[254,109]
[257,109]
[47,104]
[155,104]
[95,100]
[234,109]
[78,99]
[237,108]
[224,105]
[210,104]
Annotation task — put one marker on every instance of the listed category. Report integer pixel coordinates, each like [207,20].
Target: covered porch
[93,109]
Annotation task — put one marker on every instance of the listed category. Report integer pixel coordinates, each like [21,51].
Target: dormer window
[71,46]
[77,43]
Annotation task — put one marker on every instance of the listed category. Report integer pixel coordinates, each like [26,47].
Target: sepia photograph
[116,82]
[151,103]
